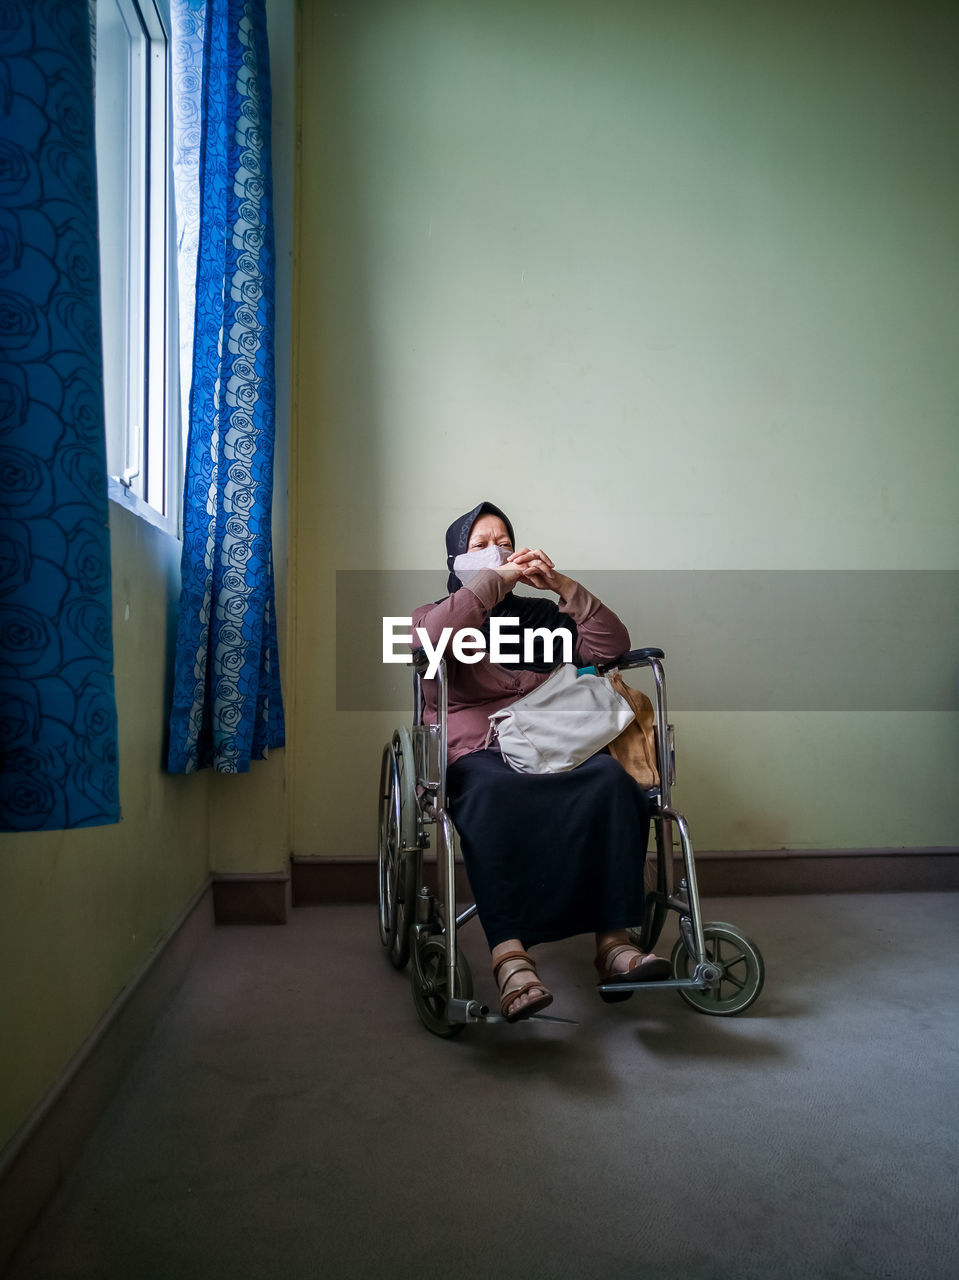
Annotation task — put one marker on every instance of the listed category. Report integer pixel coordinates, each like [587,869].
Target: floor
[289,1117]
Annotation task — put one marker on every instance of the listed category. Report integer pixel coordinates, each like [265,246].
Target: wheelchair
[715,968]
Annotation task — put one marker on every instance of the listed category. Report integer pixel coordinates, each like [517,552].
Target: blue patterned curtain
[227,707]
[58,725]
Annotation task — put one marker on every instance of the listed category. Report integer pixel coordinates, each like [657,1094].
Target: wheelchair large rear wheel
[430,982]
[398,846]
[741,967]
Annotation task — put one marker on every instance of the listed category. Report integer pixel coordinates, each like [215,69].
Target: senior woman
[547,855]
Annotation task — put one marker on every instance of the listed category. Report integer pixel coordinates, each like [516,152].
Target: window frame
[150,480]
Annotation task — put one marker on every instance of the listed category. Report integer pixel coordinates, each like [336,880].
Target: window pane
[121,174]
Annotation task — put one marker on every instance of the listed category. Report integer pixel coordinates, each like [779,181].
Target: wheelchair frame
[715,968]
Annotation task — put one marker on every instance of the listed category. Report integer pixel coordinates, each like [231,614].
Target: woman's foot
[618,961]
[521,992]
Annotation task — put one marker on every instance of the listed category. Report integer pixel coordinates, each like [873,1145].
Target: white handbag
[563,722]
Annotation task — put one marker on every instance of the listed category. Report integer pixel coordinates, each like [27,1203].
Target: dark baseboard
[732,874]
[720,874]
[33,1162]
[318,880]
[256,898]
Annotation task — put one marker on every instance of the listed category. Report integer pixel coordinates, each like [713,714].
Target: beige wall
[675,285]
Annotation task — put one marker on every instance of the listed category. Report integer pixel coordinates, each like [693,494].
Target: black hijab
[532,611]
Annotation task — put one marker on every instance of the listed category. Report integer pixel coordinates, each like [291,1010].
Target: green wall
[675,284]
[80,911]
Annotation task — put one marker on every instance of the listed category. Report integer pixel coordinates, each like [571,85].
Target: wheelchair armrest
[635,658]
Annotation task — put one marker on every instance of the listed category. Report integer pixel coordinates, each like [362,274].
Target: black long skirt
[550,855]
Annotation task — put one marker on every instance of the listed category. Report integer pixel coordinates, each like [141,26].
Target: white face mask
[468,566]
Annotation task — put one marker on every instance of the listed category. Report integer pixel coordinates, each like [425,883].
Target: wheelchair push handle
[634,658]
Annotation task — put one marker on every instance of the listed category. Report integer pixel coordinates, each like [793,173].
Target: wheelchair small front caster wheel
[740,965]
[429,978]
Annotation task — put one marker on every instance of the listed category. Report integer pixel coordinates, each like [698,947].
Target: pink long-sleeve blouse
[476,690]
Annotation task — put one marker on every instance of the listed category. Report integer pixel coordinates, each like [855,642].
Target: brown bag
[635,748]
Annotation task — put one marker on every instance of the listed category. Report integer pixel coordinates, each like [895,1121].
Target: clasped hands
[533,567]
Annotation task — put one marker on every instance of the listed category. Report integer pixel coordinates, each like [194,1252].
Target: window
[136,251]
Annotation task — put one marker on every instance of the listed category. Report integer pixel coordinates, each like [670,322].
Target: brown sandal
[508,998]
[644,968]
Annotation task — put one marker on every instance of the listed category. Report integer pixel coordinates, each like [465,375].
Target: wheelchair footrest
[467,1011]
[666,984]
